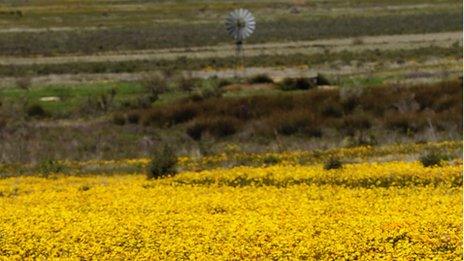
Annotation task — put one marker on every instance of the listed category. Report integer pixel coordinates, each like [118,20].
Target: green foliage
[154,85]
[187,84]
[432,158]
[48,167]
[271,160]
[36,111]
[290,84]
[322,80]
[215,127]
[133,118]
[163,163]
[333,163]
[119,119]
[260,78]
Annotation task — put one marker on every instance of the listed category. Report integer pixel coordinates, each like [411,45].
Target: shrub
[333,163]
[222,127]
[271,160]
[332,109]
[50,166]
[182,114]
[350,103]
[224,82]
[406,122]
[155,85]
[186,84]
[322,80]
[260,78]
[432,158]
[36,111]
[289,123]
[312,131]
[290,84]
[163,163]
[211,92]
[84,188]
[119,119]
[133,118]
[195,130]
[356,122]
[217,127]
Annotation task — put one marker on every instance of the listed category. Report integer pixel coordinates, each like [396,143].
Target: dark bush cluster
[406,110]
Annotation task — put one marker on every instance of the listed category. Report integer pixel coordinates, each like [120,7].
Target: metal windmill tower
[240,24]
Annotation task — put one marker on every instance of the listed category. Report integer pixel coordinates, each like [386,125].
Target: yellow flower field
[394,210]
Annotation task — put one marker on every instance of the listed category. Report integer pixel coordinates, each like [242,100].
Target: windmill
[240,24]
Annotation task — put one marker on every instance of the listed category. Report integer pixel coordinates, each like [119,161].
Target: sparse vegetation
[175,34]
[155,85]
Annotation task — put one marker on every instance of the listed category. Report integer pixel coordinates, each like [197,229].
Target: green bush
[119,119]
[163,163]
[187,84]
[224,82]
[290,84]
[271,160]
[216,127]
[36,111]
[133,118]
[154,85]
[432,158]
[322,80]
[333,163]
[356,122]
[50,167]
[260,78]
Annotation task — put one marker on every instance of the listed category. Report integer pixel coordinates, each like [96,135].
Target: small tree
[186,83]
[432,158]
[155,85]
[163,163]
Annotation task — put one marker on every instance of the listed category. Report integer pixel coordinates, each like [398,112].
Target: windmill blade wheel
[240,24]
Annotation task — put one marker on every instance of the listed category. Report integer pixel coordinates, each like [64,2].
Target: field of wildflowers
[390,210]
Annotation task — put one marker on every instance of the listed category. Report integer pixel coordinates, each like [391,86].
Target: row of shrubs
[407,110]
[164,162]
